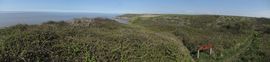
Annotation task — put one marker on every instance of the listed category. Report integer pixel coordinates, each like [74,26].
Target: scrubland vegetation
[235,39]
[163,38]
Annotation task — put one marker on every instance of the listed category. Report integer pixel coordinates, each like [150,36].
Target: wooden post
[198,53]
[210,51]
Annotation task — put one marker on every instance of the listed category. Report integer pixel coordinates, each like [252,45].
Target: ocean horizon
[12,18]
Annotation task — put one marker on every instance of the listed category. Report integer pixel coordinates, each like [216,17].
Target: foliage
[232,36]
[94,40]
[163,38]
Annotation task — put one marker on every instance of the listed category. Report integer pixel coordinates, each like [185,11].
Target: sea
[13,18]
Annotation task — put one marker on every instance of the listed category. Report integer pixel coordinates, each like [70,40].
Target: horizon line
[184,13]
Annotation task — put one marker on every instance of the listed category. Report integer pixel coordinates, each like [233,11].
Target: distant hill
[146,38]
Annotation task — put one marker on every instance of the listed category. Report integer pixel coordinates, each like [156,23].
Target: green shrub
[98,40]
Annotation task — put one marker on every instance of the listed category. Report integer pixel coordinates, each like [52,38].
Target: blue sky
[225,7]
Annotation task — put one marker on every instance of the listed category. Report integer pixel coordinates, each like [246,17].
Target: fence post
[210,51]
[198,53]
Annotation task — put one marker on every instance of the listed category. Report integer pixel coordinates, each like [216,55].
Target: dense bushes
[164,38]
[94,40]
[231,35]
